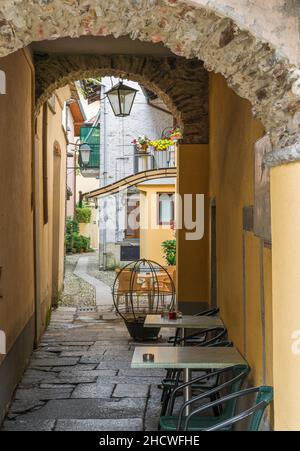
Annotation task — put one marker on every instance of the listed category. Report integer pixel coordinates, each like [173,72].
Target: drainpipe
[103,235]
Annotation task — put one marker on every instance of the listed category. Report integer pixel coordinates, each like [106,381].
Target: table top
[187,321]
[187,357]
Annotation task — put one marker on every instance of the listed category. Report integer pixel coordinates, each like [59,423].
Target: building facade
[251,51]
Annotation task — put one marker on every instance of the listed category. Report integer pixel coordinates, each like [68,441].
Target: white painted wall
[143,120]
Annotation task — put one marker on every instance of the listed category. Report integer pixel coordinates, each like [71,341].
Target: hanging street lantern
[85,154]
[121,98]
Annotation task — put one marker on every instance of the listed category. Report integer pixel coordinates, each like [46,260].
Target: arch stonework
[253,68]
[182,84]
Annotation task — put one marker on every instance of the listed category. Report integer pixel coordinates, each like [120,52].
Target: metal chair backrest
[263,398]
[209,312]
[238,374]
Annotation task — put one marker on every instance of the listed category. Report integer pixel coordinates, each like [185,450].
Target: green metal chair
[210,312]
[237,375]
[174,378]
[196,422]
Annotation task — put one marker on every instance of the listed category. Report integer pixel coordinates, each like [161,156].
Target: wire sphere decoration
[141,288]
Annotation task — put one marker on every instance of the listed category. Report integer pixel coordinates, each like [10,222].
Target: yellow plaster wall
[48,287]
[285,203]
[242,259]
[16,213]
[193,255]
[151,237]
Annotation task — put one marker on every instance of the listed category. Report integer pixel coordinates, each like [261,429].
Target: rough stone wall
[274,21]
[182,84]
[252,67]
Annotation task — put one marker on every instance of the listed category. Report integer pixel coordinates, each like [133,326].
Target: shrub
[74,241]
[169,250]
[83,214]
[81,243]
[72,229]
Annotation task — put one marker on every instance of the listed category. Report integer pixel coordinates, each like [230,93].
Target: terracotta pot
[143,147]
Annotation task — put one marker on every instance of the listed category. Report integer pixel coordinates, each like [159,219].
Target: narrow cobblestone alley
[80,378]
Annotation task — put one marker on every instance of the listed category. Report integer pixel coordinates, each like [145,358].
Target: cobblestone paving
[76,292]
[107,277]
[80,379]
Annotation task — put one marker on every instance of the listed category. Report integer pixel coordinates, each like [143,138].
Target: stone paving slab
[91,359]
[135,372]
[93,352]
[89,409]
[65,348]
[43,394]
[93,391]
[69,344]
[25,405]
[78,367]
[25,425]
[70,379]
[124,424]
[113,364]
[92,373]
[131,391]
[54,362]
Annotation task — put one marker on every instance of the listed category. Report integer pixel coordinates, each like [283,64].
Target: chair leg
[217,410]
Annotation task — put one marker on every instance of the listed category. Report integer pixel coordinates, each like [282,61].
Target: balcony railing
[91,136]
[154,159]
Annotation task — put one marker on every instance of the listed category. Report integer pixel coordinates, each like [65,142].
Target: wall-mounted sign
[262,206]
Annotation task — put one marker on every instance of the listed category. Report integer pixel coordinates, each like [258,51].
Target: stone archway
[252,68]
[182,84]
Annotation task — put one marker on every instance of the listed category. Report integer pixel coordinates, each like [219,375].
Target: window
[132,218]
[165,208]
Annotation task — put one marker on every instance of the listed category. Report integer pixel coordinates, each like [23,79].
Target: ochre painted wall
[243,261]
[151,233]
[51,242]
[285,203]
[16,213]
[193,255]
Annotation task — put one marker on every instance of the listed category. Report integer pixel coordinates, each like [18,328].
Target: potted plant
[161,144]
[169,250]
[175,134]
[141,142]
